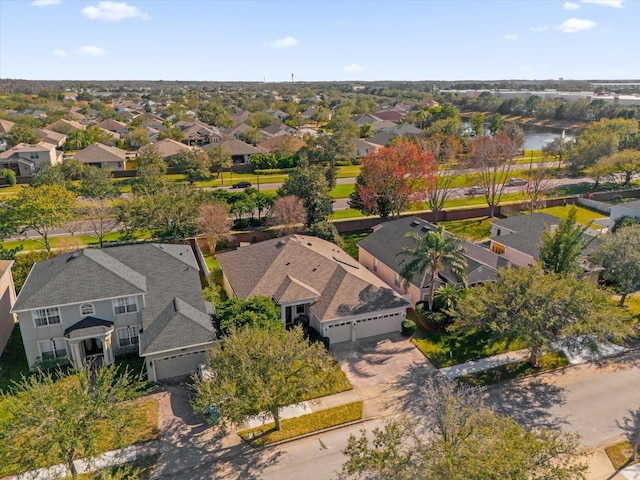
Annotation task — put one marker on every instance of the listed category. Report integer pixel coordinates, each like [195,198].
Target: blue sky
[319,40]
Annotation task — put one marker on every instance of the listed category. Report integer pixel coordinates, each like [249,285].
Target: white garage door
[339,333]
[178,365]
[378,326]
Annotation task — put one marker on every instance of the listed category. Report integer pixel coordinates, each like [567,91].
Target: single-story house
[285,144]
[364,148]
[103,156]
[314,281]
[169,148]
[95,304]
[240,151]
[629,209]
[7,300]
[378,252]
[113,126]
[199,133]
[24,158]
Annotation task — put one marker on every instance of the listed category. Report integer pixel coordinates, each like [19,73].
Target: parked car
[243,184]
[476,190]
[516,182]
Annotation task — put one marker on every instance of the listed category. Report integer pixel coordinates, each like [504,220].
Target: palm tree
[430,255]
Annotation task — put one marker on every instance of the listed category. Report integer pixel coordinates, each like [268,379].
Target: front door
[288,312]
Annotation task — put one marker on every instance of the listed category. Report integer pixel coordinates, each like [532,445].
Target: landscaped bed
[140,469]
[620,454]
[549,361]
[295,427]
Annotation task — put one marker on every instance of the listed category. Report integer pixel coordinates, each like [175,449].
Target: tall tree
[151,171]
[464,440]
[396,176]
[310,184]
[496,123]
[41,210]
[213,222]
[493,158]
[289,212]
[48,421]
[557,147]
[22,134]
[219,160]
[444,149]
[193,164]
[625,163]
[476,122]
[99,191]
[619,254]
[561,248]
[174,133]
[255,312]
[539,309]
[262,370]
[430,255]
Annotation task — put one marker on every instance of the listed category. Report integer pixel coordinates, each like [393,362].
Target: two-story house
[95,304]
[24,159]
[7,299]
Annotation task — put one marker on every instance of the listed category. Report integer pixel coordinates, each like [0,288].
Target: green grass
[74,241]
[549,361]
[295,427]
[633,306]
[342,191]
[13,362]
[351,240]
[347,213]
[583,215]
[336,383]
[351,171]
[620,454]
[447,348]
[472,228]
[7,191]
[140,469]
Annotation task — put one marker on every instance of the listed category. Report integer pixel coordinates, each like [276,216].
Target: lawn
[295,427]
[74,241]
[350,171]
[140,469]
[549,361]
[583,215]
[342,191]
[347,213]
[351,240]
[620,454]
[472,229]
[447,348]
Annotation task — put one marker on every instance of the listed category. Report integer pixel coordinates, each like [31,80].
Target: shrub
[408,327]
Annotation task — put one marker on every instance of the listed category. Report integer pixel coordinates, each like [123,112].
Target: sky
[348,40]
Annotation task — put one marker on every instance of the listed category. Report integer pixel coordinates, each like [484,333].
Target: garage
[338,332]
[178,365]
[370,327]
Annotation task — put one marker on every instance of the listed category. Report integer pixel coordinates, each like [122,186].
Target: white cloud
[113,12]
[606,3]
[91,51]
[511,37]
[44,3]
[59,53]
[354,67]
[574,25]
[285,42]
[542,28]
[571,6]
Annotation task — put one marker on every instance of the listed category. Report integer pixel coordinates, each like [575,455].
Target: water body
[537,137]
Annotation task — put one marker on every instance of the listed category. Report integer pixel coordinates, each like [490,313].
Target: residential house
[66,126]
[7,300]
[103,156]
[240,151]
[518,238]
[391,115]
[279,129]
[364,148]
[629,209]
[279,114]
[379,253]
[384,135]
[93,305]
[49,136]
[199,133]
[285,144]
[169,148]
[5,128]
[367,118]
[314,281]
[113,126]
[24,159]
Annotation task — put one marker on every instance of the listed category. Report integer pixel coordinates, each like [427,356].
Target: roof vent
[414,223]
[424,229]
[73,256]
[309,243]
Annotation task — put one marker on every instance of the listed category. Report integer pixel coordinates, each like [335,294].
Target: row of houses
[93,305]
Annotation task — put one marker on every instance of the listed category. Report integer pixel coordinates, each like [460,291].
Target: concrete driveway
[383,370]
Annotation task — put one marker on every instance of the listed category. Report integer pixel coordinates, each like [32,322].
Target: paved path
[486,363]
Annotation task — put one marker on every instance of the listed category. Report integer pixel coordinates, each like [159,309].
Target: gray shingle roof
[175,315]
[87,327]
[526,223]
[345,287]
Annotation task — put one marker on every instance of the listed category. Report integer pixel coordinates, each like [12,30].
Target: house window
[87,309]
[375,264]
[52,348]
[216,139]
[34,156]
[396,280]
[128,336]
[125,305]
[46,316]
[299,309]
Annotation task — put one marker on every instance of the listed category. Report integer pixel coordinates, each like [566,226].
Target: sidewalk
[486,363]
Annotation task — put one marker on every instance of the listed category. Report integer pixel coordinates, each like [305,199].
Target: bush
[435,320]
[10,175]
[408,327]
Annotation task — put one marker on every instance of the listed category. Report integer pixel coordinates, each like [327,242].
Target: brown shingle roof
[97,152]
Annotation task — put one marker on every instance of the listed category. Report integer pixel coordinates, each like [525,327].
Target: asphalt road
[596,400]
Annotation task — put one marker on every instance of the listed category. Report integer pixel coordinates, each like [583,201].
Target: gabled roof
[111,124]
[25,147]
[5,126]
[301,265]
[98,152]
[635,205]
[88,327]
[527,223]
[5,266]
[391,237]
[288,142]
[234,146]
[169,147]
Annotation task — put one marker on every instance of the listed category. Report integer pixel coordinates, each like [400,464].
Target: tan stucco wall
[7,299]
[387,275]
